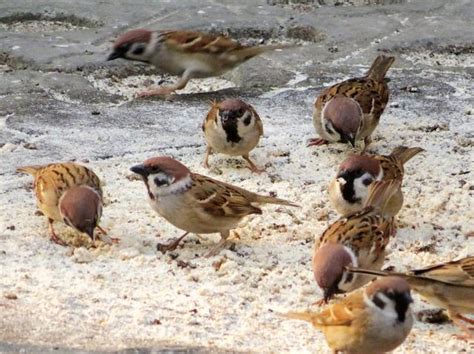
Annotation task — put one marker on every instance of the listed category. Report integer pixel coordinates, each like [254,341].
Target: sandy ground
[128,295]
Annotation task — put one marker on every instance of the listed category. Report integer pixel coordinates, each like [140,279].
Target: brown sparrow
[350,110]
[232,127]
[69,193]
[186,54]
[373,320]
[356,240]
[448,285]
[196,203]
[348,190]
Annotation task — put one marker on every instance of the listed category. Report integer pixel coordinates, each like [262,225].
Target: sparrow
[447,285]
[187,54]
[376,319]
[350,110]
[196,203]
[348,190]
[358,240]
[232,127]
[70,193]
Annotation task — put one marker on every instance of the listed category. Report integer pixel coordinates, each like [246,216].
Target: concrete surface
[52,54]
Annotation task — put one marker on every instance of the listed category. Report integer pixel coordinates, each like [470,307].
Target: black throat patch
[230,128]
[347,189]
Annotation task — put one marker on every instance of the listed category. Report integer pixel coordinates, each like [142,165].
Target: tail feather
[32,170]
[273,200]
[304,316]
[380,193]
[379,67]
[403,153]
[378,273]
[250,52]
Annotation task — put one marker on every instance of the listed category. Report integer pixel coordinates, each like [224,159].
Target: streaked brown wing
[220,199]
[456,272]
[190,41]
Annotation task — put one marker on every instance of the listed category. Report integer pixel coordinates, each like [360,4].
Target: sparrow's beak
[351,138]
[90,231]
[342,176]
[139,170]
[225,116]
[113,56]
[328,293]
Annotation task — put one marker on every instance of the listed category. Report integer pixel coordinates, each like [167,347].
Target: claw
[317,142]
[171,246]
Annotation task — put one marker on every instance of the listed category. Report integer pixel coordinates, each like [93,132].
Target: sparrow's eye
[138,49]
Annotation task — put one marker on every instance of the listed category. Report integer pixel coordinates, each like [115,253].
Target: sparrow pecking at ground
[69,193]
[186,54]
[350,110]
[196,203]
[358,240]
[232,127]
[448,285]
[377,319]
[348,190]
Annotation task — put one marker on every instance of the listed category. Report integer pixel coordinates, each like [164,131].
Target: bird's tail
[32,170]
[403,153]
[304,316]
[379,67]
[272,200]
[380,193]
[417,283]
[249,52]
[377,273]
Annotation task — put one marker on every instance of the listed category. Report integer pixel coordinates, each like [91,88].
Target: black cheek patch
[378,302]
[247,120]
[160,182]
[367,181]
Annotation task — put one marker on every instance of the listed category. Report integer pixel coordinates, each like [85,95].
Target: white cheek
[360,189]
[172,188]
[335,135]
[342,283]
[154,189]
[242,128]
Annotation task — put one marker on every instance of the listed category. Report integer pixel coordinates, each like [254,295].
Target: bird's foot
[317,142]
[157,91]
[170,246]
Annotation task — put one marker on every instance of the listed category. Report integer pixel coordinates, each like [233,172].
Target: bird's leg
[251,165]
[367,142]
[320,302]
[458,321]
[166,90]
[223,243]
[171,246]
[105,238]
[317,142]
[53,235]
[206,157]
[466,319]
